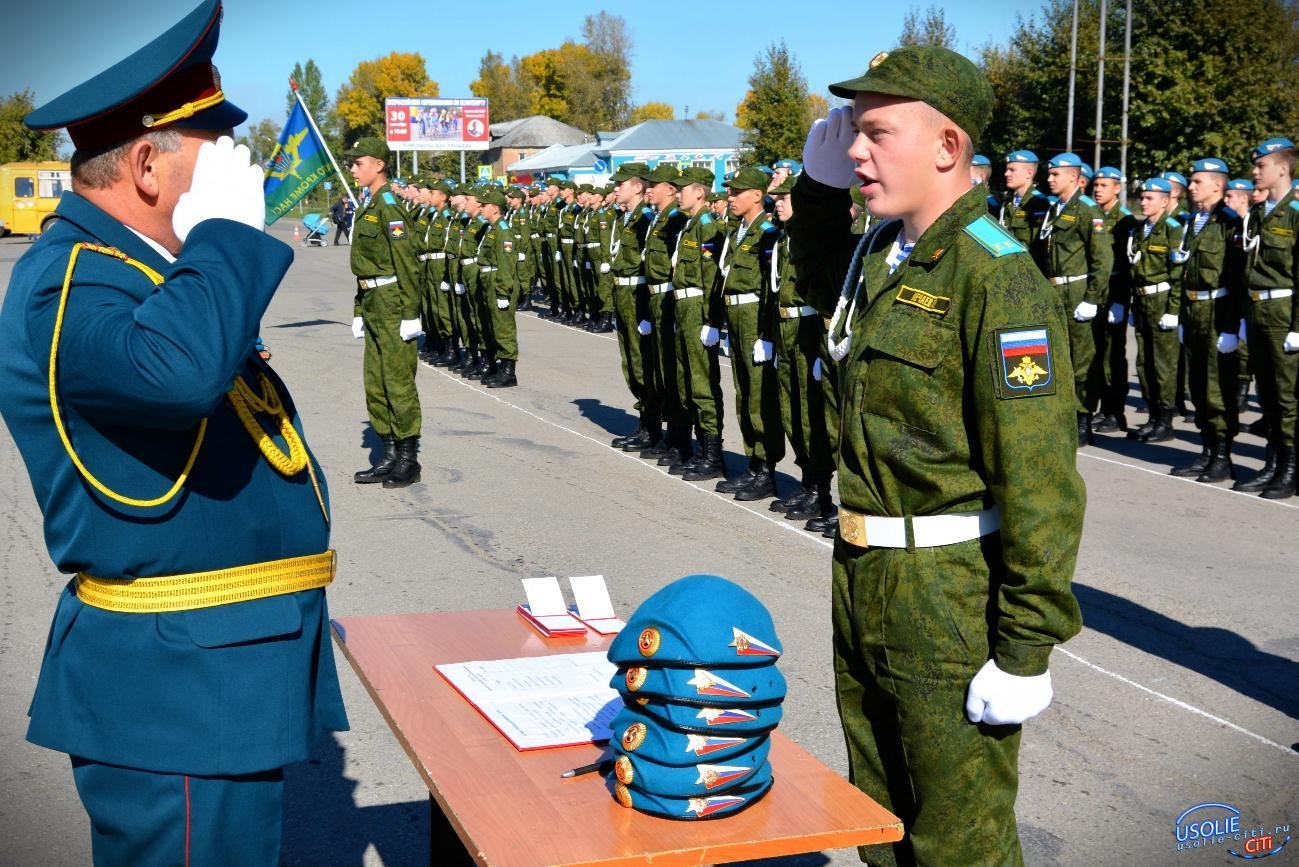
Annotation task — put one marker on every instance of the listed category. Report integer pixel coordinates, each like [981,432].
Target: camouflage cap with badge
[663,173]
[627,171]
[695,175]
[749,178]
[369,147]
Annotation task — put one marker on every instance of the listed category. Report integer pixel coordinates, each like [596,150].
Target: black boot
[1242,395]
[1084,429]
[814,507]
[1283,483]
[458,363]
[730,486]
[1140,432]
[505,375]
[685,452]
[474,367]
[800,496]
[762,485]
[379,471]
[619,442]
[711,465]
[672,454]
[489,368]
[828,518]
[647,435]
[1197,466]
[1219,468]
[1263,477]
[450,356]
[832,527]
[1108,423]
[658,445]
[406,471]
[1162,432]
[694,460]
[606,324]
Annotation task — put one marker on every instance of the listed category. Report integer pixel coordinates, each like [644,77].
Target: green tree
[312,88]
[261,139]
[602,85]
[933,29]
[719,116]
[358,106]
[17,142]
[775,112]
[503,85]
[652,111]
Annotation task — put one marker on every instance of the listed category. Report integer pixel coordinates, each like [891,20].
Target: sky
[691,64]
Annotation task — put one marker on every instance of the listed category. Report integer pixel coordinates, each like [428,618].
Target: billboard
[434,123]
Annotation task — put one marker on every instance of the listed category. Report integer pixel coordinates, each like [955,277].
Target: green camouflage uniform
[438,301]
[520,222]
[1024,220]
[551,254]
[1215,261]
[660,346]
[699,382]
[568,263]
[467,289]
[604,220]
[625,245]
[1274,264]
[1152,273]
[1110,366]
[498,268]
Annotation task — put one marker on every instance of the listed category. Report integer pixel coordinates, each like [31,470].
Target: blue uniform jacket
[224,690]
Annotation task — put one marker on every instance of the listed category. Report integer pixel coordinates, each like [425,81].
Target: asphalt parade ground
[1183,687]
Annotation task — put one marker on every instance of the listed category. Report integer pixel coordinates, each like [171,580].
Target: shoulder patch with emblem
[993,237]
[926,301]
[396,229]
[1024,355]
[1098,225]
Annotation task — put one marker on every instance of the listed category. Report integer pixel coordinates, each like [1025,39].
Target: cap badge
[634,736]
[623,769]
[636,678]
[878,59]
[649,641]
[746,645]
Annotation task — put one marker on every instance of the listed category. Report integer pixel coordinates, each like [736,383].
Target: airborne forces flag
[299,162]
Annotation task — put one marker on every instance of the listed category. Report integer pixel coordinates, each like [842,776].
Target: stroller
[317,226]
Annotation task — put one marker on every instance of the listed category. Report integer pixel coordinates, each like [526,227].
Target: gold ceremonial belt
[206,589]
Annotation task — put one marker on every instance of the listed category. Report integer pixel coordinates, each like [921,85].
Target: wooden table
[512,808]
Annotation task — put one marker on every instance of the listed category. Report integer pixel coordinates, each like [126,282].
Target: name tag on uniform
[926,301]
[370,218]
[1158,248]
[1067,218]
[1281,230]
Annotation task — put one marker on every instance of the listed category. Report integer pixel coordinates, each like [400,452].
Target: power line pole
[1127,76]
[1100,91]
[1073,75]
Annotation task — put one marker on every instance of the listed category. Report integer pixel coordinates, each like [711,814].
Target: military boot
[505,375]
[1283,483]
[827,512]
[1163,429]
[1109,423]
[730,486]
[1140,432]
[815,506]
[1197,466]
[711,464]
[489,368]
[1219,468]
[379,471]
[761,486]
[457,364]
[1263,477]
[406,470]
[693,460]
[619,442]
[658,445]
[678,440]
[800,496]
[606,324]
[648,434]
[449,357]
[1084,429]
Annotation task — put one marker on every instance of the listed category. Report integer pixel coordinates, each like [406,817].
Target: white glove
[1291,343]
[410,329]
[1228,343]
[444,286]
[1115,316]
[998,698]
[644,327]
[1085,311]
[825,153]
[358,327]
[708,335]
[1168,322]
[1242,333]
[761,351]
[604,267]
[502,304]
[817,371]
[226,185]
[1181,334]
[460,288]
[557,256]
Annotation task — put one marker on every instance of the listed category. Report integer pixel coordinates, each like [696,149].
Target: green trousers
[472,336]
[757,393]
[1275,370]
[1108,383]
[802,398]
[699,375]
[1157,352]
[604,290]
[663,353]
[437,304]
[1082,342]
[830,396]
[389,366]
[910,632]
[629,344]
[483,297]
[1211,375]
[505,334]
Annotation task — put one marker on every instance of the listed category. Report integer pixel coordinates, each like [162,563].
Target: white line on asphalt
[1255,497]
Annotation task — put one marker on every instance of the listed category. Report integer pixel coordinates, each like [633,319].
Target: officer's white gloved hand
[460,288]
[817,370]
[358,327]
[1085,311]
[1115,316]
[604,267]
[1168,322]
[1241,333]
[410,329]
[761,351]
[825,153]
[998,698]
[708,335]
[226,185]
[444,286]
[1228,343]
[644,327]
[502,304]
[1291,343]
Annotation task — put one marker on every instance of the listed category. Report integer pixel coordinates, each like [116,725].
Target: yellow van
[29,193]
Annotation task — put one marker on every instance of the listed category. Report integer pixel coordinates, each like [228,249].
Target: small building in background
[515,140]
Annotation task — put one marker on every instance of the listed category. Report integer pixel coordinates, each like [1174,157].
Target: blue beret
[1022,157]
[980,160]
[1272,145]
[702,620]
[1240,184]
[794,166]
[169,83]
[766,170]
[1088,172]
[724,718]
[1109,172]
[1209,164]
[1294,185]
[731,686]
[1157,185]
[684,781]
[1176,177]
[634,732]
[1065,161]
[712,806]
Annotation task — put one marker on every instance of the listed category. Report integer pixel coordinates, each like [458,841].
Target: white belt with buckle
[468,261]
[797,312]
[375,282]
[1206,295]
[1061,281]
[1154,288]
[486,269]
[744,298]
[591,245]
[565,240]
[534,235]
[933,531]
[629,281]
[688,292]
[1269,294]
[660,288]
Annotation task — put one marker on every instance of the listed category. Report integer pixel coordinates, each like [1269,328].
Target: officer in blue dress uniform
[189,658]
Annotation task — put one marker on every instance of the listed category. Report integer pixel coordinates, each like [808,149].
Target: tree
[652,111]
[775,111]
[503,85]
[17,142]
[359,103]
[261,139]
[599,77]
[312,89]
[817,106]
[932,30]
[719,116]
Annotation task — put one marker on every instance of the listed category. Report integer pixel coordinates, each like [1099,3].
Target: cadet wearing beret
[144,417]
[1110,366]
[956,462]
[981,173]
[1022,208]
[1177,205]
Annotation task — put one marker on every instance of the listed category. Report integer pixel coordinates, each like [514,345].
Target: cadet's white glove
[460,288]
[358,327]
[708,335]
[761,351]
[644,327]
[502,304]
[604,267]
[1085,311]
[1168,322]
[998,698]
[825,153]
[1291,343]
[444,286]
[1181,334]
[1242,332]
[410,329]
[817,370]
[557,256]
[226,185]
[1228,343]
[1115,316]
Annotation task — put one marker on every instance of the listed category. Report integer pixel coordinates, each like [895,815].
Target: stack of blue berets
[698,678]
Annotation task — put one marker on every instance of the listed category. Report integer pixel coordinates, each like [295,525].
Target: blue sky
[702,62]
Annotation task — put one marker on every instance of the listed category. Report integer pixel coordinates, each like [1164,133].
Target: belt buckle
[852,528]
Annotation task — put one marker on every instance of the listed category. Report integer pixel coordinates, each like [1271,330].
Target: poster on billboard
[434,123]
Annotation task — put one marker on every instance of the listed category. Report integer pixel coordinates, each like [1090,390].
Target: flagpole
[325,145]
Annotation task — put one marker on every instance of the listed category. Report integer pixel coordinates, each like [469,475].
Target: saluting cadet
[660,344]
[1076,255]
[145,420]
[1155,267]
[625,246]
[498,263]
[1212,284]
[1023,208]
[1271,237]
[1110,367]
[961,509]
[386,315]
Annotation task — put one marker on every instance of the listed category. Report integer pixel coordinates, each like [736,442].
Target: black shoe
[619,442]
[1263,477]
[762,485]
[711,465]
[474,369]
[646,438]
[826,524]
[656,449]
[1242,395]
[379,471]
[406,470]
[506,375]
[1143,430]
[819,506]
[1282,485]
[798,497]
[730,486]
[459,362]
[1219,468]
[1188,415]
[1163,430]
[606,324]
[1195,467]
[676,452]
[833,529]
[1084,429]
[447,358]
[1109,424]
